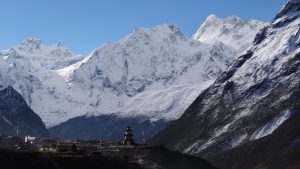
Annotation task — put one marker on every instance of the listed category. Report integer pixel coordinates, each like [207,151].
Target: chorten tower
[128,137]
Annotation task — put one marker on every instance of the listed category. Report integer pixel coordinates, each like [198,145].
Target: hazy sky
[83,25]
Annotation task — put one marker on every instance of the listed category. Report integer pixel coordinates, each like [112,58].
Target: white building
[29,139]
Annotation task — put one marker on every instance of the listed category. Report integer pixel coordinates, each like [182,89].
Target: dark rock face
[290,7]
[260,36]
[279,150]
[256,89]
[234,67]
[107,127]
[16,118]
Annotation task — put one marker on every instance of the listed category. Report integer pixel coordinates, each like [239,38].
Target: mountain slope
[283,144]
[108,127]
[250,100]
[17,118]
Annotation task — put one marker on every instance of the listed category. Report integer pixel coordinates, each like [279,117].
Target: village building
[29,140]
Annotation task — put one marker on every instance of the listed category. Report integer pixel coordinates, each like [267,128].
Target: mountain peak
[34,52]
[169,28]
[163,32]
[59,44]
[159,29]
[32,41]
[30,44]
[232,31]
[291,7]
[234,19]
[212,17]
[35,46]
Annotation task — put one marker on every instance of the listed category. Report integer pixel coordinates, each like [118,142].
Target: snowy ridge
[232,31]
[50,57]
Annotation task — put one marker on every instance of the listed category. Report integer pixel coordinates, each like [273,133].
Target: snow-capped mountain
[161,55]
[29,69]
[143,76]
[251,99]
[39,55]
[146,74]
[232,31]
[146,60]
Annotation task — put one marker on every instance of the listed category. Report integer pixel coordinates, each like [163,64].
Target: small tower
[128,137]
[143,138]
[17,131]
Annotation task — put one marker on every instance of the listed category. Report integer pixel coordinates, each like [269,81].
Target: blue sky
[83,25]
